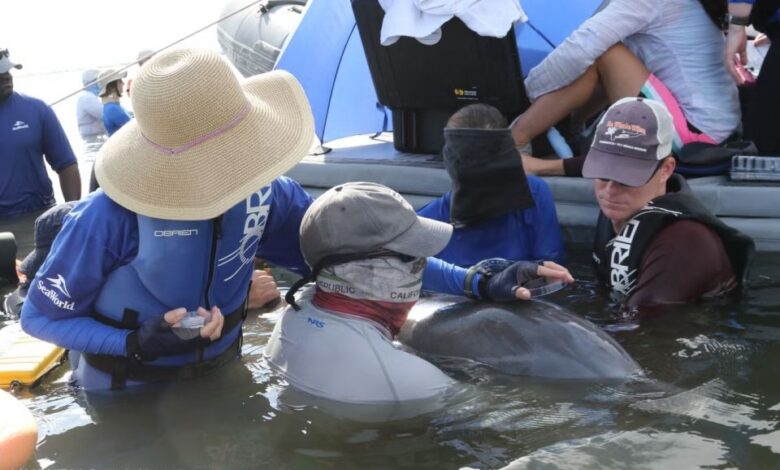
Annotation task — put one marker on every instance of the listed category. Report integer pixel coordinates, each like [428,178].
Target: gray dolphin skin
[532,338]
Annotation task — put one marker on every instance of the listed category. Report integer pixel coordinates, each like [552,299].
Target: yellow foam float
[24,359]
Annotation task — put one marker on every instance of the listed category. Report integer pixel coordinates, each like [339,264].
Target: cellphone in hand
[746,77]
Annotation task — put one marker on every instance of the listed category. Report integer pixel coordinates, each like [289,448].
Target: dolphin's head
[533,338]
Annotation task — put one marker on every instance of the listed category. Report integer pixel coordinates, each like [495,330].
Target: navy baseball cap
[47,226]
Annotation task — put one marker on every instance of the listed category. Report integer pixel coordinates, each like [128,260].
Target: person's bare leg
[549,109]
[620,73]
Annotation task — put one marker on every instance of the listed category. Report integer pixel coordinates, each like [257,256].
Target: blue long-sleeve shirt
[529,234]
[98,236]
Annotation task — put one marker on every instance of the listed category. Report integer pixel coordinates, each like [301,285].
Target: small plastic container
[539,287]
[189,326]
[755,168]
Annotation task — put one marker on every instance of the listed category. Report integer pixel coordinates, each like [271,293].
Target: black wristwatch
[738,20]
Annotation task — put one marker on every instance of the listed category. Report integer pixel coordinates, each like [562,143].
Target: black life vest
[617,257]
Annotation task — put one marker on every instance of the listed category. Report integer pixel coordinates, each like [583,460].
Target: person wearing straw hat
[367,249]
[111,85]
[30,132]
[148,278]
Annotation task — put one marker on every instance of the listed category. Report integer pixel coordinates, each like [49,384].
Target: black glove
[155,338]
[502,285]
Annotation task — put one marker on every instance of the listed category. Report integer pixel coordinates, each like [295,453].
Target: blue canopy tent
[326,55]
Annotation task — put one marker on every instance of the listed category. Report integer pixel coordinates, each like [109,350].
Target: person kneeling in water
[655,244]
[367,249]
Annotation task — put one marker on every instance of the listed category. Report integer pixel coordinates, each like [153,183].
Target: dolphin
[532,338]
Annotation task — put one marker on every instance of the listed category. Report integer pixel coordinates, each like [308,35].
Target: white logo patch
[57,283]
[192,232]
[18,125]
[258,206]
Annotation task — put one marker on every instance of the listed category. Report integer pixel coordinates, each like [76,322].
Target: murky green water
[711,398]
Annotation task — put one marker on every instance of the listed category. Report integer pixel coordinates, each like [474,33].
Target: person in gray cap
[367,249]
[89,109]
[655,243]
[30,131]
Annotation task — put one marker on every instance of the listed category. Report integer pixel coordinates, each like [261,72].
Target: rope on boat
[131,64]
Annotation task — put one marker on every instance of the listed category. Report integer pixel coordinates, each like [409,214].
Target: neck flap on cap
[487,175]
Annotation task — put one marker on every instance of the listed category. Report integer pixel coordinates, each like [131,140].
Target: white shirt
[348,359]
[676,41]
[89,113]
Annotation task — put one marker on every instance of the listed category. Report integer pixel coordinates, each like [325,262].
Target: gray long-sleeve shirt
[676,41]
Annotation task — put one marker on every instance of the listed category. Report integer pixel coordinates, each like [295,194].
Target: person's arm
[70,182]
[502,286]
[547,242]
[556,167]
[96,237]
[618,20]
[59,155]
[683,262]
[735,51]
[280,244]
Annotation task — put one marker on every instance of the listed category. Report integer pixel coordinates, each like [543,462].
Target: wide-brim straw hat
[202,141]
[108,76]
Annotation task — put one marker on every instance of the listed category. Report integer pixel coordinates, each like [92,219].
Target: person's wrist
[737,20]
[471,282]
[133,347]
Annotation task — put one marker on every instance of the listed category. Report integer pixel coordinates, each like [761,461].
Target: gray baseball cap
[356,218]
[632,137]
[5,62]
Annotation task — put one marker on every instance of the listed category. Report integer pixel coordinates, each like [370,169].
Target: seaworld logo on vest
[59,284]
[258,206]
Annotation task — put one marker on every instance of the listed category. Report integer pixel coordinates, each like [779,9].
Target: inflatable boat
[325,51]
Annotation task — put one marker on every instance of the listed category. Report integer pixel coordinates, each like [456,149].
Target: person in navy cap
[30,132]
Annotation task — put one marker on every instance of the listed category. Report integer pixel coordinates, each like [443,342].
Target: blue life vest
[186,264]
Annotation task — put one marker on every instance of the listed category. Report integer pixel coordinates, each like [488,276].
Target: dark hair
[477,116]
[716,10]
[114,88]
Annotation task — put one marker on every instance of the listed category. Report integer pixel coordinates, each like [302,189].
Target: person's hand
[214,321]
[735,51]
[761,40]
[155,337]
[507,284]
[263,291]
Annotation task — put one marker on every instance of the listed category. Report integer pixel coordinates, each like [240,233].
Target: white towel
[422,18]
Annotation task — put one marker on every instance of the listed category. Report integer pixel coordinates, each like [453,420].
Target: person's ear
[667,168]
